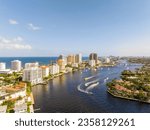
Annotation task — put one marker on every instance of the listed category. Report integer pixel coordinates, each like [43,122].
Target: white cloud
[13,22]
[33,27]
[13,44]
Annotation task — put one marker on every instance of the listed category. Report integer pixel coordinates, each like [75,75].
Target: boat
[92,86]
[91,82]
[87,78]
[106,79]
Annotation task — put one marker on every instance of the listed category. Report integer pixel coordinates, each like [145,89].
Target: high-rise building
[93,56]
[61,57]
[70,59]
[16,65]
[62,63]
[107,60]
[92,63]
[54,69]
[2,66]
[78,58]
[29,65]
[33,75]
[45,71]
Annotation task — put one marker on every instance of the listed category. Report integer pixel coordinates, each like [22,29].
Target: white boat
[91,82]
[106,79]
[92,86]
[87,78]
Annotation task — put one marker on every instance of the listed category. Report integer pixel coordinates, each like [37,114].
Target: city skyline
[50,28]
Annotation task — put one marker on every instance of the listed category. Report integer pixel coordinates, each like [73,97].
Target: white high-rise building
[107,60]
[2,66]
[45,71]
[92,63]
[33,75]
[29,65]
[54,69]
[16,65]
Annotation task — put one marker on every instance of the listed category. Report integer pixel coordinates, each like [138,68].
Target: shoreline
[55,76]
[126,98]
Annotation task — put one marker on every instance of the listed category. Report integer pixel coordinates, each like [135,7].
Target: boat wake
[83,91]
[91,77]
[92,86]
[87,78]
[91,82]
[87,86]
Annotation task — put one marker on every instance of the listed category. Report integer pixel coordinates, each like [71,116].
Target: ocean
[41,60]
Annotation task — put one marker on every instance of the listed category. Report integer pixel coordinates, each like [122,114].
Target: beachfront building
[54,69]
[32,74]
[3,69]
[16,65]
[45,71]
[30,65]
[2,66]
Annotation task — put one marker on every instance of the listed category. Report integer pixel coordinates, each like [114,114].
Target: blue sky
[53,27]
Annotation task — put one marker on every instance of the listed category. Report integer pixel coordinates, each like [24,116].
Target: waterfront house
[3,109]
[21,108]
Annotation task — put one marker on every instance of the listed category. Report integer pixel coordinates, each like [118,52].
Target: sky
[53,27]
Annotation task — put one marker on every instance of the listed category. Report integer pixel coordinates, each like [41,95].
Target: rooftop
[44,67]
[17,87]
[20,107]
[3,109]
